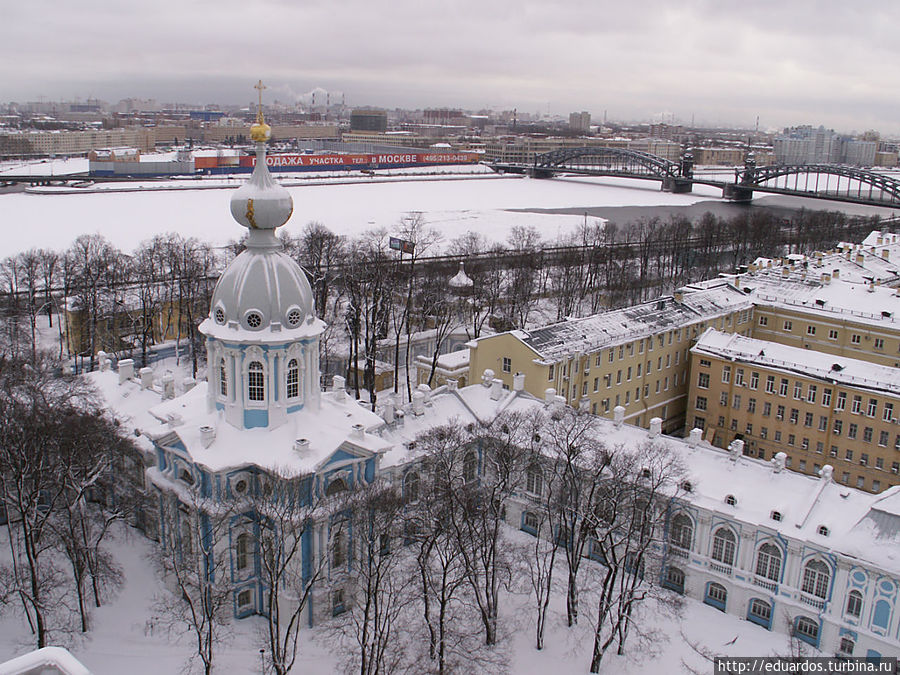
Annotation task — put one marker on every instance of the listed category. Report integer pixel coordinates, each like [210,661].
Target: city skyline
[788,63]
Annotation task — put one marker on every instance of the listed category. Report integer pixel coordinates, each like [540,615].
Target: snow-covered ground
[125,638]
[453,206]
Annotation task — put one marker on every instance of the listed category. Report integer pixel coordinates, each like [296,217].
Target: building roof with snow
[691,304]
[819,365]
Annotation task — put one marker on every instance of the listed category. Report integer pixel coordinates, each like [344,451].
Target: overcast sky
[831,62]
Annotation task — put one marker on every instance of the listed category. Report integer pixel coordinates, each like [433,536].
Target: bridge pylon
[677,185]
[737,193]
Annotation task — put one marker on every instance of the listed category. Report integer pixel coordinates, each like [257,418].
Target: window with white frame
[768,562]
[682,532]
[854,604]
[293,379]
[816,579]
[223,379]
[806,627]
[256,382]
[723,546]
[534,479]
[761,610]
[242,552]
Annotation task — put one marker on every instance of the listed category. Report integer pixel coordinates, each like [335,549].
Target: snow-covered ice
[454,207]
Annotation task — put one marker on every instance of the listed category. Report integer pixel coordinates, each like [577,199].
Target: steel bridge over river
[820,181]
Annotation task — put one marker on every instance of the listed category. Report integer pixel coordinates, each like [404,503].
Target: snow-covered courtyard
[126,638]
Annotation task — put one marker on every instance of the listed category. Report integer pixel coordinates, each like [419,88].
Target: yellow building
[635,357]
[816,407]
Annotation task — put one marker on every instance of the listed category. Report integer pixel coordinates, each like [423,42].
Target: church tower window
[256,387]
[293,379]
[223,378]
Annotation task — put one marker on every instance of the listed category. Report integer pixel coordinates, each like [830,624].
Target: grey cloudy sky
[831,62]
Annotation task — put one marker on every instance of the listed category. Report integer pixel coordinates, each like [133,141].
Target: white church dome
[262,290]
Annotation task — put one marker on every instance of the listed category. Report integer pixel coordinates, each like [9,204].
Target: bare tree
[376,593]
[626,521]
[284,511]
[37,445]
[192,559]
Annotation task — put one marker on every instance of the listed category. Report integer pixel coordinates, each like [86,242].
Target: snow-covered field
[452,206]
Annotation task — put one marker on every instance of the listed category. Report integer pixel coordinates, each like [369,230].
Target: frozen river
[487,204]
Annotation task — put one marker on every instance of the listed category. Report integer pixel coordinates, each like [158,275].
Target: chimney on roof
[358,432]
[695,437]
[189,383]
[168,386]
[418,403]
[826,473]
[103,361]
[752,268]
[301,446]
[785,271]
[146,378]
[452,384]
[487,377]
[387,412]
[338,383]
[618,416]
[425,389]
[126,370]
[885,254]
[550,392]
[836,273]
[519,382]
[496,389]
[736,449]
[678,295]
[826,278]
[207,435]
[880,240]
[655,427]
[860,258]
[778,462]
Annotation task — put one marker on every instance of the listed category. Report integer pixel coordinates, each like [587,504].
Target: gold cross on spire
[259,86]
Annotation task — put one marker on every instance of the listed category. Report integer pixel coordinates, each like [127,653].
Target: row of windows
[638,346]
[858,405]
[833,334]
[816,574]
[256,380]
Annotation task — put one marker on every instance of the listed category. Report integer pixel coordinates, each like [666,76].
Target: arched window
[534,479]
[242,550]
[335,486]
[807,630]
[674,579]
[716,596]
[854,604]
[760,612]
[223,379]
[682,532]
[256,382]
[723,546]
[816,578]
[470,466]
[293,379]
[411,486]
[768,562]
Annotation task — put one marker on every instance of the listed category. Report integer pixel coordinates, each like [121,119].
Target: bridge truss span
[823,180]
[605,161]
